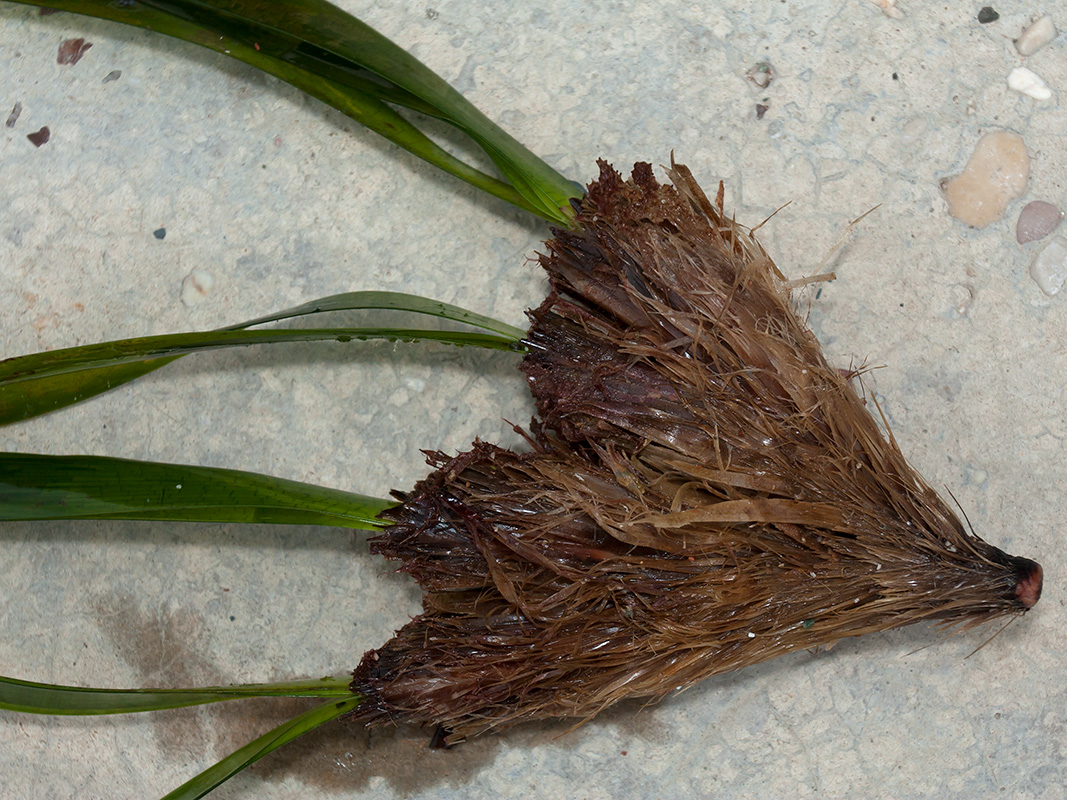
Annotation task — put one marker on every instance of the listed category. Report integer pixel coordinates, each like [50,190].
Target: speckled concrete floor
[280,200]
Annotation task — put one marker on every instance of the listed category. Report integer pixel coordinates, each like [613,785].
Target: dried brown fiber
[704,492]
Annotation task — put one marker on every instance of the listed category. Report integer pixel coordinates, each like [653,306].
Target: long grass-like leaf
[125,351]
[392,301]
[41,382]
[267,743]
[23,397]
[37,487]
[338,59]
[48,698]
[30,399]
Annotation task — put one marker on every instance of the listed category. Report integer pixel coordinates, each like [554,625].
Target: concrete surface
[281,200]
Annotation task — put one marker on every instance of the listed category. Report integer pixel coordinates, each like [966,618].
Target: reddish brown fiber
[702,492]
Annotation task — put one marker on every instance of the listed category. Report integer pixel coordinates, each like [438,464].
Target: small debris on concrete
[1027,82]
[13,117]
[72,50]
[196,286]
[761,109]
[39,137]
[1037,221]
[1049,267]
[761,74]
[996,174]
[114,75]
[987,14]
[1036,36]
[160,233]
[963,294]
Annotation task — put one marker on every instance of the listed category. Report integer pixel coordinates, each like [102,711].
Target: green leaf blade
[51,390]
[41,382]
[390,301]
[41,487]
[225,769]
[44,698]
[146,348]
[51,393]
[340,60]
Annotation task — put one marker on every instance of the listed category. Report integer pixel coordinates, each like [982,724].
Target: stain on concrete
[163,645]
[159,644]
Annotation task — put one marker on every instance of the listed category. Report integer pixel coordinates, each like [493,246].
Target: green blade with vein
[49,391]
[40,487]
[267,743]
[47,698]
[391,301]
[41,382]
[338,59]
[145,348]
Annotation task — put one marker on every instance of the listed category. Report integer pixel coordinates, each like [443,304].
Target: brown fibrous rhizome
[702,492]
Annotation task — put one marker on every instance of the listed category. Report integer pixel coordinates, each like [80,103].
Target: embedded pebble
[889,8]
[1037,221]
[987,14]
[1029,83]
[995,174]
[196,286]
[761,74]
[913,131]
[1049,267]
[1036,36]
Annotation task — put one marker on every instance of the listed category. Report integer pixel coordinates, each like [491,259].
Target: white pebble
[1029,83]
[196,286]
[1049,268]
[1036,36]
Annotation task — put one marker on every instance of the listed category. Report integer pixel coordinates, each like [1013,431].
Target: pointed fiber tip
[1029,578]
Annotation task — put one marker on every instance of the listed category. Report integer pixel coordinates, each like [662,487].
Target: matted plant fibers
[703,492]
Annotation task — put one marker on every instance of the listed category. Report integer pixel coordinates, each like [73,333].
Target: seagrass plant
[701,490]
